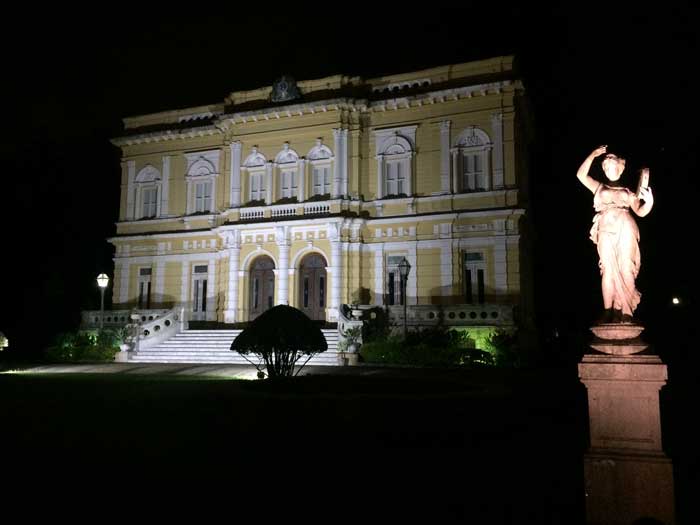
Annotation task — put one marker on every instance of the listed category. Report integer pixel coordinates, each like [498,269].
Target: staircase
[213,346]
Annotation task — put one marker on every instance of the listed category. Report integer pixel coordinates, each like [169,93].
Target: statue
[616,234]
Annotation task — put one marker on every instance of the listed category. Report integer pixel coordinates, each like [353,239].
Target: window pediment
[203,163]
[255,159]
[320,152]
[149,173]
[286,155]
[473,137]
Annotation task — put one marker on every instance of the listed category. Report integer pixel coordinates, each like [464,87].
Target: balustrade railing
[286,210]
[117,318]
[454,315]
[150,333]
[317,208]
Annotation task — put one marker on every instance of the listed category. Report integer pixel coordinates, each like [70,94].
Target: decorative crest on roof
[284,89]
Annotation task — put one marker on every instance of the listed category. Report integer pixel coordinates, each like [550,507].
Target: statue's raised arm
[582,173]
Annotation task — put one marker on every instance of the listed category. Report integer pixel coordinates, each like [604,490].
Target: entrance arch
[312,286]
[262,286]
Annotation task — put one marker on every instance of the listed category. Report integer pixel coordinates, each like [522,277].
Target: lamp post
[102,282]
[404,269]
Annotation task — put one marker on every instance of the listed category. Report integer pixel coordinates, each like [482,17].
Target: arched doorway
[312,286]
[262,286]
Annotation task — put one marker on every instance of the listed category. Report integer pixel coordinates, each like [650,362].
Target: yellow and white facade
[264,199]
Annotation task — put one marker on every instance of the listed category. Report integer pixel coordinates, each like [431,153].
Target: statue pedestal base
[122,357]
[627,474]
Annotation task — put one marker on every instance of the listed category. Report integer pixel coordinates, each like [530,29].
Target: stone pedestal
[122,357]
[627,474]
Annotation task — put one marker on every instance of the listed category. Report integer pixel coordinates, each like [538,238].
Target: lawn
[493,445]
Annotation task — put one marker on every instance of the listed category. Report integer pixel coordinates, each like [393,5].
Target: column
[235,196]
[233,242]
[412,282]
[445,156]
[379,275]
[455,171]
[268,182]
[500,263]
[211,289]
[344,161]
[160,281]
[283,273]
[337,165]
[130,190]
[184,285]
[380,176]
[497,134]
[123,268]
[446,276]
[301,182]
[336,265]
[165,187]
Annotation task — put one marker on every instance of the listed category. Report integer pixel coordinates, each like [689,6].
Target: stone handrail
[117,318]
[164,327]
[454,315]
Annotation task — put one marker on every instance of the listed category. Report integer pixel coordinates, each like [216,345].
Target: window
[147,186]
[149,197]
[144,300]
[202,196]
[473,176]
[321,180]
[395,151]
[474,277]
[394,286]
[202,172]
[471,161]
[199,292]
[395,178]
[288,184]
[257,186]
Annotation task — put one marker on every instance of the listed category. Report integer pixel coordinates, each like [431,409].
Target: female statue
[616,234]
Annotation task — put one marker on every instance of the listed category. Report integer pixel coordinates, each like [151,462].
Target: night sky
[603,77]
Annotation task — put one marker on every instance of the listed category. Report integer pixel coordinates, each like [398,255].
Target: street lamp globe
[404,268]
[102,280]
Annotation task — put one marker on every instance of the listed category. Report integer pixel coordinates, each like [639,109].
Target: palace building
[312,193]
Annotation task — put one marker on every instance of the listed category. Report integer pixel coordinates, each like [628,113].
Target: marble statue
[616,234]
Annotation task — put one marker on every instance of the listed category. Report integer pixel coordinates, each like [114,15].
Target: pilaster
[235,197]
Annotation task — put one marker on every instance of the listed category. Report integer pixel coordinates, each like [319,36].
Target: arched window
[471,161]
[255,164]
[148,191]
[394,163]
[202,171]
[287,161]
[320,158]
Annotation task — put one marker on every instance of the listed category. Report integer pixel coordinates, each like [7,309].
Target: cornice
[168,134]
[224,122]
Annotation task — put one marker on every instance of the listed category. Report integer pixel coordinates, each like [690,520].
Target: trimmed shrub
[85,345]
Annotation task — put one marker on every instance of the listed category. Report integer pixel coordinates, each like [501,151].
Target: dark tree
[280,337]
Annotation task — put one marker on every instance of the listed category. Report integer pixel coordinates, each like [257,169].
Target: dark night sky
[619,78]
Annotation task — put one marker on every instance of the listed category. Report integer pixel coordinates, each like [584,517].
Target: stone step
[328,360]
[213,346]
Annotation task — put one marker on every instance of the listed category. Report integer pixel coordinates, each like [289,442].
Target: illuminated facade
[311,193]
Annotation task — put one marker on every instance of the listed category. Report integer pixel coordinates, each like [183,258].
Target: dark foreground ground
[480,446]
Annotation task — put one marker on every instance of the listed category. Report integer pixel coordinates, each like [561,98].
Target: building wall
[434,225]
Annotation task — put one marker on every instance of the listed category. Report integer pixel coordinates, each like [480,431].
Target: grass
[489,445]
